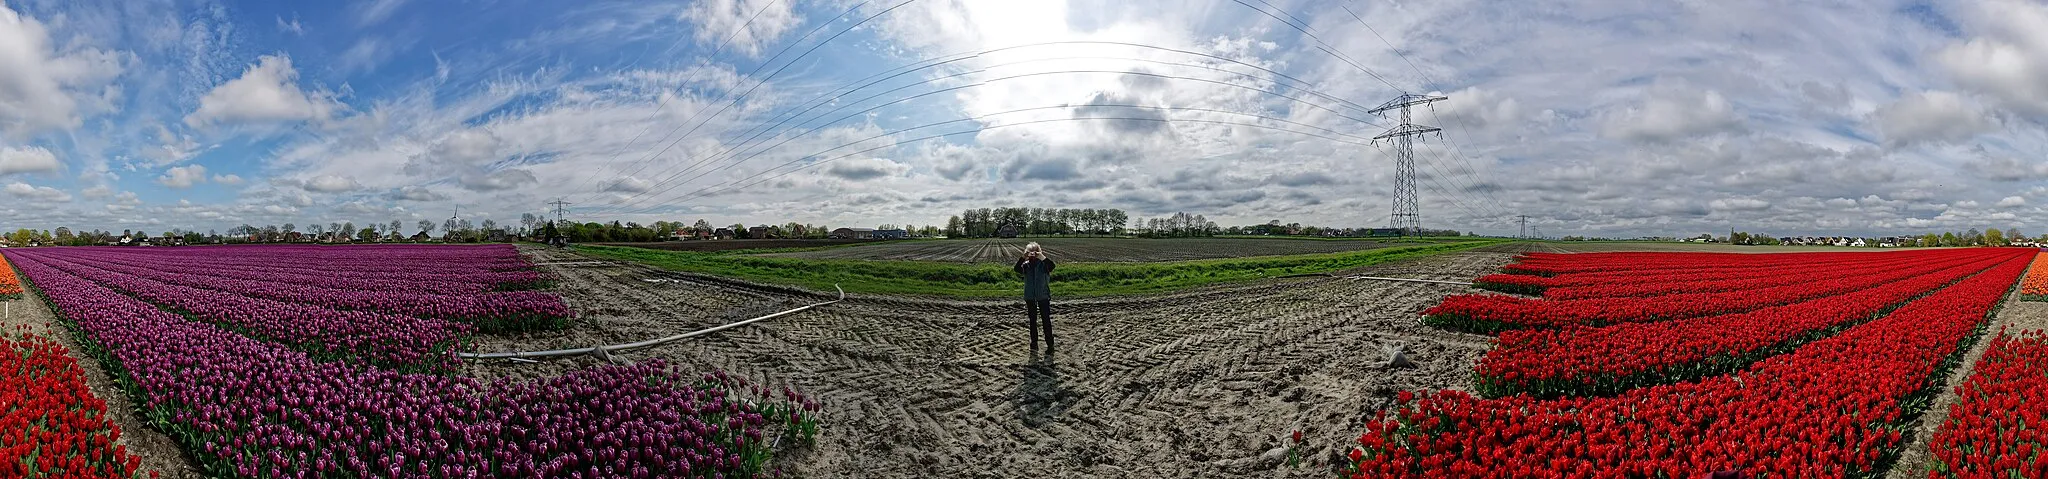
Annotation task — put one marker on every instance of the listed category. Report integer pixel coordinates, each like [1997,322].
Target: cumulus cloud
[718,20]
[229,179]
[34,159]
[1932,116]
[39,87]
[2012,202]
[1670,112]
[183,176]
[39,194]
[1998,167]
[1740,204]
[265,93]
[331,184]
[2008,60]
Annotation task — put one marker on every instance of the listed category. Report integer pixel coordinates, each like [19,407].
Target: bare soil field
[739,244]
[1204,383]
[1088,250]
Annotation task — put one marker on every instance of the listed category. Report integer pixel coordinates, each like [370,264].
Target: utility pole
[1525,225]
[1407,211]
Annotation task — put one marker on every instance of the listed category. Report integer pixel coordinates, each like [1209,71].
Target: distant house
[853,233]
[891,234]
[422,237]
[760,232]
[1008,231]
[722,233]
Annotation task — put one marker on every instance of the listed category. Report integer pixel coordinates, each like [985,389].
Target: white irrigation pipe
[516,356]
[1411,280]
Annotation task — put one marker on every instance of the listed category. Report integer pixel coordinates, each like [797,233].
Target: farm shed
[853,233]
[891,234]
[760,232]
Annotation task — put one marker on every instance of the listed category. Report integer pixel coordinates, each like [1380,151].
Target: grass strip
[995,280]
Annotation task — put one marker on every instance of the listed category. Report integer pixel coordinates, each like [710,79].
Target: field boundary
[923,278]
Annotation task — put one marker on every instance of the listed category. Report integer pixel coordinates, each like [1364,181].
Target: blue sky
[1608,118]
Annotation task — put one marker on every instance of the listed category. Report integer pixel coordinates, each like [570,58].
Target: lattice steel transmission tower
[1525,226]
[1407,209]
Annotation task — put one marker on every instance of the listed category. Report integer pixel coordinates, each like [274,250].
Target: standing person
[1037,271]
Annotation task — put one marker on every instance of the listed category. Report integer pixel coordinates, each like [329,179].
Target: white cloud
[34,159]
[39,194]
[1740,204]
[1935,116]
[332,184]
[97,192]
[1670,112]
[2012,202]
[182,177]
[718,20]
[373,12]
[40,90]
[416,193]
[229,179]
[2009,59]
[292,27]
[267,92]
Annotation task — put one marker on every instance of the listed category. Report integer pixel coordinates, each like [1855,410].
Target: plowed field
[1194,384]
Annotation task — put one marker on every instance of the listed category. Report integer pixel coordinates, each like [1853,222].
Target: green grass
[992,280]
[1381,239]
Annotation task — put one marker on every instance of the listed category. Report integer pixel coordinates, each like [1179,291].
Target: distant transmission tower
[558,211]
[1407,210]
[1525,225]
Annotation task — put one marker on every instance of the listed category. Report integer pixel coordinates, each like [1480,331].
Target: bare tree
[427,227]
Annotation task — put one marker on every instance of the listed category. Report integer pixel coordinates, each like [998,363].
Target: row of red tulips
[1718,281]
[1554,264]
[51,426]
[1486,313]
[250,408]
[1833,408]
[1587,361]
[386,340]
[1998,426]
[1703,270]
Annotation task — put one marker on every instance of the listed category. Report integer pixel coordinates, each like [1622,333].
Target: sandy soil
[158,451]
[1204,383]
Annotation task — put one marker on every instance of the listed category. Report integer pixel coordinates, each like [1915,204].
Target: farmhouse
[760,232]
[853,233]
[891,234]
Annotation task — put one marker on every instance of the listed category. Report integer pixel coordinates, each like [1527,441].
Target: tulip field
[1996,429]
[10,285]
[50,424]
[1683,364]
[337,361]
[2035,286]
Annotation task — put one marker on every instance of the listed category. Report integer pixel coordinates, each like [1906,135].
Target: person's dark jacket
[1037,278]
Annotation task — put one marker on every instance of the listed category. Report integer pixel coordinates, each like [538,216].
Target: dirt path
[1199,383]
[2017,315]
[157,450]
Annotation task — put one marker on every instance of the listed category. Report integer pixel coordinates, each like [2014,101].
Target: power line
[648,123]
[1461,156]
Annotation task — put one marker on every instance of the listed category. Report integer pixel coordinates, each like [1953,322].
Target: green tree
[1994,237]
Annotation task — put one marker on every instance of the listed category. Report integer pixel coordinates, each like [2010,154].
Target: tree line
[993,222]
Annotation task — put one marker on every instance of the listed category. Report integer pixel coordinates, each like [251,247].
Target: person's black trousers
[1039,310]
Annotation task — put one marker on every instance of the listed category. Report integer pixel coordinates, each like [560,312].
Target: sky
[1600,118]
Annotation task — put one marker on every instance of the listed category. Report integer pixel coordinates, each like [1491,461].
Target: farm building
[891,234]
[760,232]
[853,233]
[722,233]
